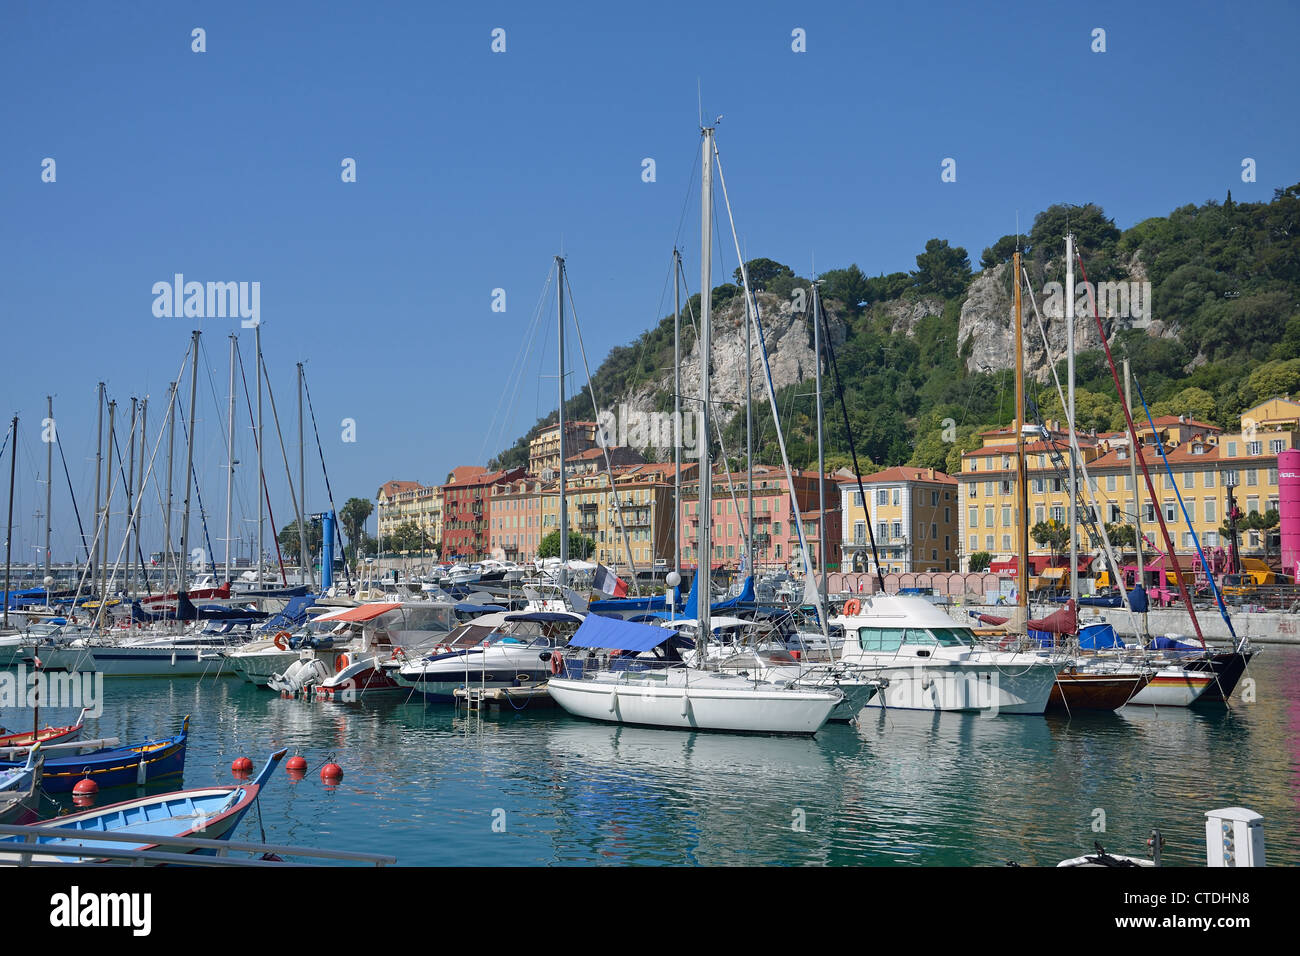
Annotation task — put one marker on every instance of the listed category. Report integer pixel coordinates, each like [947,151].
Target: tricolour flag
[607,582]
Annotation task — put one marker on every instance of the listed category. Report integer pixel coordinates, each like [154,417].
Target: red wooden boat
[47,735]
[1095,691]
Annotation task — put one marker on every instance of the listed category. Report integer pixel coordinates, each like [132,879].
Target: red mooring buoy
[241,765]
[296,764]
[85,787]
[331,772]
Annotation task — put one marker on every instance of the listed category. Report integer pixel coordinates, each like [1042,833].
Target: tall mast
[304,561]
[9,533]
[189,463]
[130,491]
[749,438]
[139,490]
[99,461]
[108,507]
[703,590]
[49,485]
[677,417]
[821,449]
[167,505]
[1137,490]
[564,514]
[1069,351]
[261,480]
[1022,474]
[230,452]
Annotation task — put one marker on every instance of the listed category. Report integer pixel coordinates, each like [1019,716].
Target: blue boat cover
[467,608]
[1094,637]
[293,615]
[612,633]
[1137,598]
[542,617]
[1169,644]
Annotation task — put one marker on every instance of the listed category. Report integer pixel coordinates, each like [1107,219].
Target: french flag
[607,582]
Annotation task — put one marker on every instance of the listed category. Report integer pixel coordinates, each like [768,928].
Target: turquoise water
[434,787]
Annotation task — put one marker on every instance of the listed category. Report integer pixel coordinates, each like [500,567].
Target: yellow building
[913,515]
[544,450]
[1204,460]
[398,502]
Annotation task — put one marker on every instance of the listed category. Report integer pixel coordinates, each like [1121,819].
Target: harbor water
[431,785]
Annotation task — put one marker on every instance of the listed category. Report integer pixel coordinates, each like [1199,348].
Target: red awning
[365,612]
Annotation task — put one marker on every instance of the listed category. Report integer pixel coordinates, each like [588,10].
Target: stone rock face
[904,314]
[788,335]
[988,318]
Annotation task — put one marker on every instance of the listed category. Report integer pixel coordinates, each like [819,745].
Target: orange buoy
[85,787]
[241,765]
[331,771]
[296,763]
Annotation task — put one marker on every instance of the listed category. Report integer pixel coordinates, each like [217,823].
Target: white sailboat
[662,692]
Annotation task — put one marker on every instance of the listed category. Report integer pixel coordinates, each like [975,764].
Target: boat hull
[1083,691]
[968,688]
[634,700]
[1174,687]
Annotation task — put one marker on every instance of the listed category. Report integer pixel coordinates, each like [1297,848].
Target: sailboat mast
[304,561]
[130,492]
[99,461]
[139,490]
[1137,490]
[677,416]
[171,469]
[821,447]
[9,532]
[749,439]
[1069,352]
[49,484]
[189,464]
[564,513]
[704,564]
[230,452]
[261,479]
[108,509]
[1022,475]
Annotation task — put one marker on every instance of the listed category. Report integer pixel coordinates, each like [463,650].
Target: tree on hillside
[1001,251]
[1093,232]
[762,272]
[942,269]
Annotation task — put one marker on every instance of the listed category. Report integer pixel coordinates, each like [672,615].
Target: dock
[483,698]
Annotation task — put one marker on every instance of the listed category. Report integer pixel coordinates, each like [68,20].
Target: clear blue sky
[473,168]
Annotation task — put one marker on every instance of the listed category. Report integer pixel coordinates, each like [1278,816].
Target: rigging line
[516,372]
[329,492]
[72,495]
[293,492]
[1141,460]
[717,426]
[604,446]
[752,301]
[117,451]
[263,489]
[203,515]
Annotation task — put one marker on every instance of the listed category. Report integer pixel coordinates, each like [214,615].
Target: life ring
[851,607]
[341,663]
[557,664]
[399,651]
[282,640]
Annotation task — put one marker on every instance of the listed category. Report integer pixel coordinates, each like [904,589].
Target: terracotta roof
[392,488]
[903,473]
[467,475]
[1182,454]
[1163,420]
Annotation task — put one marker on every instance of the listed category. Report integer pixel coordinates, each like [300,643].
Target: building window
[1189,479]
[1276,446]
[934,499]
[1006,542]
[1272,476]
[947,514]
[859,532]
[947,542]
[895,497]
[1210,507]
[1006,517]
[1169,511]
[1114,513]
[898,529]
[882,497]
[778,551]
[1039,514]
[988,489]
[1230,477]
[934,554]
[1251,475]
[857,499]
[988,542]
[1232,449]
[1252,506]
[1151,514]
[974,542]
[974,521]
[1253,447]
[1209,479]
[1110,482]
[988,516]
[973,490]
[1058,513]
[1211,539]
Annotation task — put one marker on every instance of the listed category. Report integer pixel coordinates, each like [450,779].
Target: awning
[366,612]
[614,634]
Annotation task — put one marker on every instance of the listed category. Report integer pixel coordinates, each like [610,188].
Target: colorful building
[913,513]
[467,511]
[544,450]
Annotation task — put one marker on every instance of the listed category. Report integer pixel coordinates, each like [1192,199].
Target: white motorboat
[933,663]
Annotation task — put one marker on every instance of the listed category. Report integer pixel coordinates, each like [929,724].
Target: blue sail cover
[1094,637]
[615,634]
[1137,598]
[292,616]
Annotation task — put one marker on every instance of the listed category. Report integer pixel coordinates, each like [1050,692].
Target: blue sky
[475,168]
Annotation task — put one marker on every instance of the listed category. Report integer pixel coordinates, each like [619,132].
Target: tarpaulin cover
[1063,621]
[991,619]
[1169,644]
[1094,637]
[615,634]
[365,612]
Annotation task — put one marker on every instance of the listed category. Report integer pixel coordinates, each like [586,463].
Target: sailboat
[614,681]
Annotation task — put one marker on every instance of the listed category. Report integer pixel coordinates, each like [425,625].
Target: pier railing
[173,850]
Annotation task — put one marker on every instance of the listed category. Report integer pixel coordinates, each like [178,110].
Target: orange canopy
[365,612]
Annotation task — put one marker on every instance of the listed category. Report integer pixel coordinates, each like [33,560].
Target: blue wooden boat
[210,813]
[20,787]
[116,766]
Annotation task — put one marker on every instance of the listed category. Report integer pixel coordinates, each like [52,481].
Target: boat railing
[181,850]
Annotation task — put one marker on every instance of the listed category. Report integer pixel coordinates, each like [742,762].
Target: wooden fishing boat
[20,788]
[117,766]
[210,813]
[47,735]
